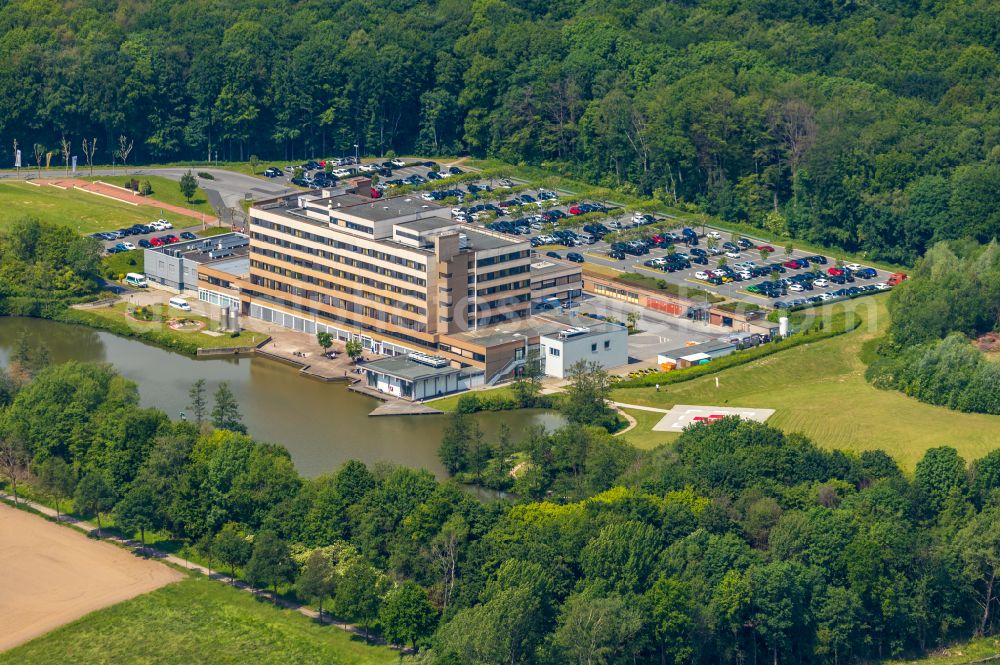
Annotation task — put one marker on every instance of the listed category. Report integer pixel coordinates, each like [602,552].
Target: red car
[657,239]
[575,210]
[765,248]
[157,242]
[834,272]
[171,239]
[376,194]
[793,264]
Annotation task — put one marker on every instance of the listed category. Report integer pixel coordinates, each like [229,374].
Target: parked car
[397,162]
[145,244]
[554,255]
[187,235]
[834,272]
[272,172]
[575,257]
[616,254]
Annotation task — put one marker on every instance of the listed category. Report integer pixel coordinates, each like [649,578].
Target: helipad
[683,415]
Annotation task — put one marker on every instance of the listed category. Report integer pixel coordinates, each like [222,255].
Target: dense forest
[737,544]
[45,266]
[872,126]
[952,299]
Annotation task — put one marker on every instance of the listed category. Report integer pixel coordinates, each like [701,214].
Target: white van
[136,280]
[180,303]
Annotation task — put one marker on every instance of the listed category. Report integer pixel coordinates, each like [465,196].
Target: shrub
[206,175]
[468,403]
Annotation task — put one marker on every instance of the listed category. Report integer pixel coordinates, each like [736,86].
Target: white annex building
[600,342]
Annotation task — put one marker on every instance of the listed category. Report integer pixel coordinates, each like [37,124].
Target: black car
[454,170]
[272,172]
[145,244]
[187,235]
[554,255]
[616,254]
[575,257]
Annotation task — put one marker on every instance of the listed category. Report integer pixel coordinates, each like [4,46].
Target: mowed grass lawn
[820,390]
[164,189]
[197,621]
[642,435]
[119,314]
[83,212]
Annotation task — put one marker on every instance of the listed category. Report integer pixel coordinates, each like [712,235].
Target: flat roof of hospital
[234,266]
[377,210]
[533,326]
[403,368]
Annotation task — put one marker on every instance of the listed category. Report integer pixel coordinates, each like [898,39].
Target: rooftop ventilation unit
[430,361]
[573,332]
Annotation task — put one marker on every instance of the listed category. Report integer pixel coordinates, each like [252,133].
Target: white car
[368,168]
[882,286]
[701,275]
[397,162]
[853,267]
[341,173]
[825,296]
[455,212]
[733,255]
[821,283]
[715,234]
[796,287]
[165,224]
[129,246]
[745,274]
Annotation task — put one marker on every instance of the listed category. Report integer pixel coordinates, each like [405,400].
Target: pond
[321,424]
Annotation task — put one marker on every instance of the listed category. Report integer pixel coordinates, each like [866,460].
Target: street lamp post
[356,160]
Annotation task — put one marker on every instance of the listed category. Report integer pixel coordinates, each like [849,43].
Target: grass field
[642,435]
[124,263]
[197,621]
[118,314]
[819,389]
[83,212]
[164,189]
[957,654]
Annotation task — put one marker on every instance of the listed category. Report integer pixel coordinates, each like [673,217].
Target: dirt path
[50,575]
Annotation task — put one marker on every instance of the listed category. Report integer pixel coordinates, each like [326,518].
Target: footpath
[121,194]
[91,530]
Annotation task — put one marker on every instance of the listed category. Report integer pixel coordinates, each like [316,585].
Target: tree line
[736,543]
[781,115]
[951,300]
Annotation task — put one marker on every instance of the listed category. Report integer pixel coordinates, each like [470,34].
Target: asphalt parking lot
[789,284]
[135,238]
